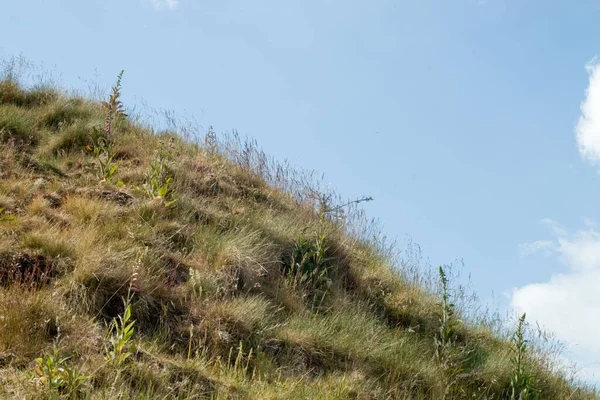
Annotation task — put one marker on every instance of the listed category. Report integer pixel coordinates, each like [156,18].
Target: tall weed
[522,381]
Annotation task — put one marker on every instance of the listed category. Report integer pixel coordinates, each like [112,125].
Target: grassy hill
[144,264]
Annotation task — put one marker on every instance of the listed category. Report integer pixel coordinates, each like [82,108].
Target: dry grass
[215,314]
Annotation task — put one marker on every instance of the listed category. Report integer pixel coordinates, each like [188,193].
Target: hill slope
[136,264]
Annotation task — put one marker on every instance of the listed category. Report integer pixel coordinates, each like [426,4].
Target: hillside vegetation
[137,263]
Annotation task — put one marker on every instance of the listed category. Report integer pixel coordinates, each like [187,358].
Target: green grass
[238,280]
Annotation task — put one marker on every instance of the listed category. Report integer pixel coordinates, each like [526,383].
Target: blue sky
[463,119]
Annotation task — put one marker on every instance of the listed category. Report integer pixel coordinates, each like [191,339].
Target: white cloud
[555,226]
[165,4]
[545,246]
[589,222]
[569,302]
[588,126]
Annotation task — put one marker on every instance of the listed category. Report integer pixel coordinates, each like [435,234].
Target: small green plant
[309,266]
[159,179]
[522,381]
[101,148]
[57,377]
[120,331]
[5,217]
[309,262]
